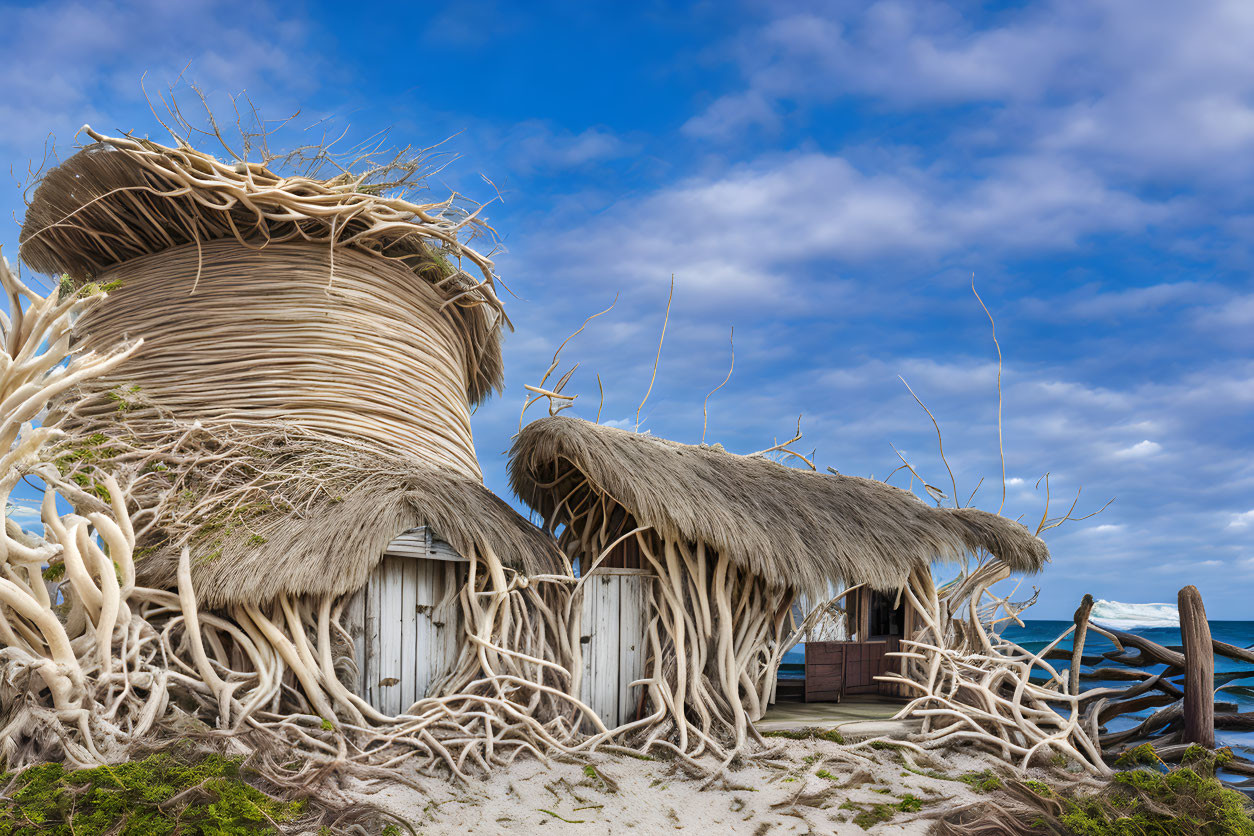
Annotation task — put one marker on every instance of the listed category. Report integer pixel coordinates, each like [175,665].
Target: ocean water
[1162,629]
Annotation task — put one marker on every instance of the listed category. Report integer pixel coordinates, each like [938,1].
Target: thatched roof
[792,527]
[122,198]
[330,543]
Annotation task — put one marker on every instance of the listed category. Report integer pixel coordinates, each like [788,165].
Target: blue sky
[827,178]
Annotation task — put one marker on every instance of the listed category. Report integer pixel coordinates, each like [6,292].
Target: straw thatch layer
[351,347]
[331,546]
[792,527]
[123,198]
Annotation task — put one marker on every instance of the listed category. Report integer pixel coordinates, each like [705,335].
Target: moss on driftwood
[161,794]
[1147,800]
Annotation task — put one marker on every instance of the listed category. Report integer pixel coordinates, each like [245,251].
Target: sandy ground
[818,790]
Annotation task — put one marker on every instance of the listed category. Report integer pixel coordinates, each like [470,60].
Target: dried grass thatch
[792,527]
[122,198]
[329,546]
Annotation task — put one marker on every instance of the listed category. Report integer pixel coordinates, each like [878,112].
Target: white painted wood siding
[613,642]
[406,621]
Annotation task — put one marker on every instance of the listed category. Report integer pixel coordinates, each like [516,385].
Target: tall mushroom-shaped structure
[311,353]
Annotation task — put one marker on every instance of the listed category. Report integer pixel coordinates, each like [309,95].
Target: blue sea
[1034,635]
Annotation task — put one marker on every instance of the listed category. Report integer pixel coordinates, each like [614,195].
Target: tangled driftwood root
[95,663]
[977,688]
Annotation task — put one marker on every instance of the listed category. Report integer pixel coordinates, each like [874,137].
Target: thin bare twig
[656,359]
[940,441]
[1001,449]
[705,407]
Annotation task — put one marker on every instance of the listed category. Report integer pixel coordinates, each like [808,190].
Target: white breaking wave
[1120,616]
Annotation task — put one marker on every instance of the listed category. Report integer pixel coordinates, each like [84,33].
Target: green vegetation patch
[985,781]
[161,794]
[1144,802]
[830,735]
[1143,755]
[869,815]
[1151,800]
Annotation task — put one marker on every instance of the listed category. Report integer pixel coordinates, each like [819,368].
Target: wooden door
[612,639]
[407,621]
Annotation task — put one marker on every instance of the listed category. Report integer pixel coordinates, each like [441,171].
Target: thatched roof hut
[793,528]
[312,350]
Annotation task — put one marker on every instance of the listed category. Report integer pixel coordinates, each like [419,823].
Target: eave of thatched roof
[123,198]
[793,527]
[331,545]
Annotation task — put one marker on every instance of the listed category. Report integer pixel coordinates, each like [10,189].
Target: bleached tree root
[973,688]
[95,664]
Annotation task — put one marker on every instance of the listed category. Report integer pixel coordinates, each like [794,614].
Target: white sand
[626,795]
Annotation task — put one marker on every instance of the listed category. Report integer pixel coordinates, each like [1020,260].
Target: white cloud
[731,114]
[1178,566]
[535,144]
[1242,521]
[1140,450]
[748,227]
[68,62]
[1152,86]
[23,514]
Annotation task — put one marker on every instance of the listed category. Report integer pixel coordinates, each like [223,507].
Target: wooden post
[864,614]
[1199,670]
[1077,642]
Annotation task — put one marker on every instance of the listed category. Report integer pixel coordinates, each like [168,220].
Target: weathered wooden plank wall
[613,640]
[406,621]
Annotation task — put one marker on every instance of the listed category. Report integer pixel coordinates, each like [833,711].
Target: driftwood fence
[1187,701]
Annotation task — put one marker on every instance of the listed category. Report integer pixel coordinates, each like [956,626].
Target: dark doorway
[886,620]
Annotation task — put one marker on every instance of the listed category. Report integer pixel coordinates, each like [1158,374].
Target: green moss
[161,794]
[1204,761]
[54,572]
[1143,755]
[121,402]
[1154,801]
[256,540]
[873,815]
[594,778]
[1041,789]
[823,773]
[984,781]
[91,288]
[640,756]
[830,735]
[929,773]
[327,725]
[869,815]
